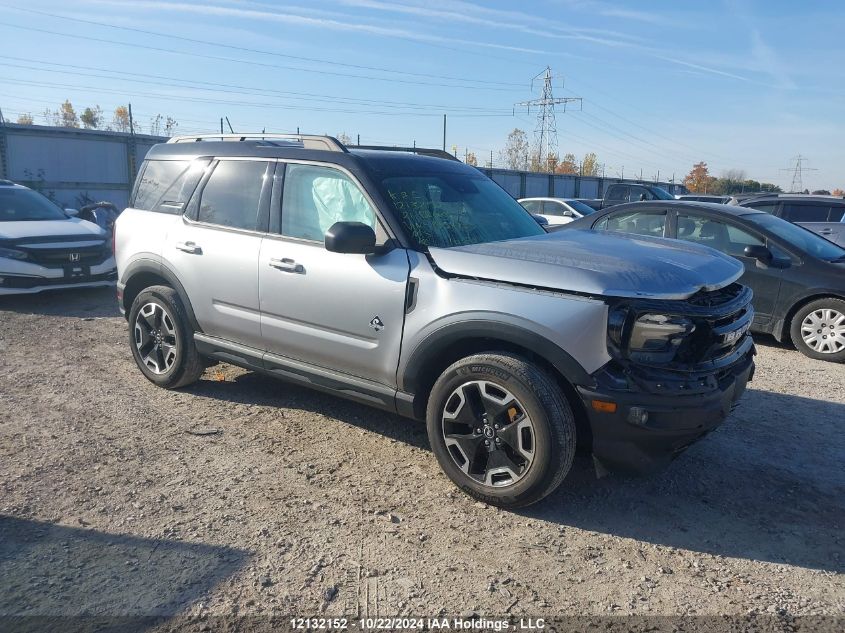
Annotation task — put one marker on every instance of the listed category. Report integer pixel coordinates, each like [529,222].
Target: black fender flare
[440,340]
[150,266]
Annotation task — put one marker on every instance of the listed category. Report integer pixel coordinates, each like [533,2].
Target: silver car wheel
[155,338]
[488,433]
[823,331]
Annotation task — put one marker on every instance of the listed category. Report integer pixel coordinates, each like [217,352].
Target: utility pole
[231,129]
[491,159]
[545,134]
[798,173]
[131,121]
[221,125]
[444,132]
[359,139]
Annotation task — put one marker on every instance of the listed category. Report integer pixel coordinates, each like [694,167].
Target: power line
[245,61]
[798,173]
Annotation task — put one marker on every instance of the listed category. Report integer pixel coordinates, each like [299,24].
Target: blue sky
[740,84]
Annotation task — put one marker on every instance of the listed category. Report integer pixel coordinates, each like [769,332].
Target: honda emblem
[74,257]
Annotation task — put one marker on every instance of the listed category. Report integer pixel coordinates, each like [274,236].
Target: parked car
[824,215]
[42,246]
[556,210]
[619,193]
[797,277]
[704,198]
[416,284]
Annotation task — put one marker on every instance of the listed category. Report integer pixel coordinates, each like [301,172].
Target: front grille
[722,326]
[64,257]
[24,283]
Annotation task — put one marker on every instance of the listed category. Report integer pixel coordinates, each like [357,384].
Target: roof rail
[308,141]
[436,153]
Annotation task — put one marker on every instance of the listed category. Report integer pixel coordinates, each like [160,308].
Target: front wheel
[501,429]
[818,330]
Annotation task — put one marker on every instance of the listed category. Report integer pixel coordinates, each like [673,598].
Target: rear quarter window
[805,212]
[165,186]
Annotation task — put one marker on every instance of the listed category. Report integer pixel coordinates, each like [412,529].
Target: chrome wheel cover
[823,331]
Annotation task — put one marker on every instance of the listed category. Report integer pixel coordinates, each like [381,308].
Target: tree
[344,138]
[821,192]
[590,165]
[25,119]
[734,174]
[161,125]
[91,117]
[67,115]
[515,154]
[568,165]
[699,179]
[471,159]
[838,192]
[121,119]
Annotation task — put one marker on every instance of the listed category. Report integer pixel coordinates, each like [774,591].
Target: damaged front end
[678,368]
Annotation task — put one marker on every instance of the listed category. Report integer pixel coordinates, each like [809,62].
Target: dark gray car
[824,215]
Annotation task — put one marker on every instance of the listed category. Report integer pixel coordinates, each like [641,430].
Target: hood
[596,262]
[72,229]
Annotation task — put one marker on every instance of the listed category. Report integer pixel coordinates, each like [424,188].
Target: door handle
[287,265]
[189,247]
[826,231]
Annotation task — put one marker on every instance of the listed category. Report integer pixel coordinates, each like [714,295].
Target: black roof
[793,197]
[690,205]
[410,160]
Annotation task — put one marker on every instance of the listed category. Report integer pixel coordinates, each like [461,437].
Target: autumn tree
[120,122]
[590,165]
[471,159]
[568,165]
[515,154]
[67,115]
[91,117]
[838,192]
[25,119]
[699,179]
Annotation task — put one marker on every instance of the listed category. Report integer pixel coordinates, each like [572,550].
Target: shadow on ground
[51,571]
[746,491]
[73,302]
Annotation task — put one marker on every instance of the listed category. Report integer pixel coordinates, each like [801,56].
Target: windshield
[26,204]
[798,236]
[580,207]
[445,210]
[661,194]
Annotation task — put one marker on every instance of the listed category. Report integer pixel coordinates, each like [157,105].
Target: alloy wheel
[823,331]
[155,338]
[488,433]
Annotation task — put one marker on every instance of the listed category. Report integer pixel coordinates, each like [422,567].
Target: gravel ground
[246,495]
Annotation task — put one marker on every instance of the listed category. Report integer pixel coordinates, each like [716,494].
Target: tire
[519,411]
[162,339]
[818,330]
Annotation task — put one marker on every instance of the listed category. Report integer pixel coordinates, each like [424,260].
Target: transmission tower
[798,173]
[545,134]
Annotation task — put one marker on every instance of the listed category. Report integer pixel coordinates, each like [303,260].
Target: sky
[740,84]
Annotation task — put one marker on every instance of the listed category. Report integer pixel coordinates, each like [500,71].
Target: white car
[557,210]
[42,247]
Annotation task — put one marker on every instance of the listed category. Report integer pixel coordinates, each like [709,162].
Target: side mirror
[350,237]
[72,212]
[540,220]
[758,252]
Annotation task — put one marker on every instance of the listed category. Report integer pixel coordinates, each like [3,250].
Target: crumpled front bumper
[653,422]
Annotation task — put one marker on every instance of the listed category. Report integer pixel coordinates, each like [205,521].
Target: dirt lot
[113,499]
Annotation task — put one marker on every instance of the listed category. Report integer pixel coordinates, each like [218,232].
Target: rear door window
[806,212]
[532,206]
[617,193]
[651,223]
[232,194]
[164,186]
[554,208]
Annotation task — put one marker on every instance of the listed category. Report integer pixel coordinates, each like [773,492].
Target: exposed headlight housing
[651,338]
[11,253]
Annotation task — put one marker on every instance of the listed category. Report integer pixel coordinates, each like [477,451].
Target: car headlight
[11,253]
[646,338]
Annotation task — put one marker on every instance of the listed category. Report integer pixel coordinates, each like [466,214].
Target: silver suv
[413,283]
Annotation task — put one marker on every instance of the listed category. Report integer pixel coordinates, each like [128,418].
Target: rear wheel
[818,330]
[162,339]
[501,429]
